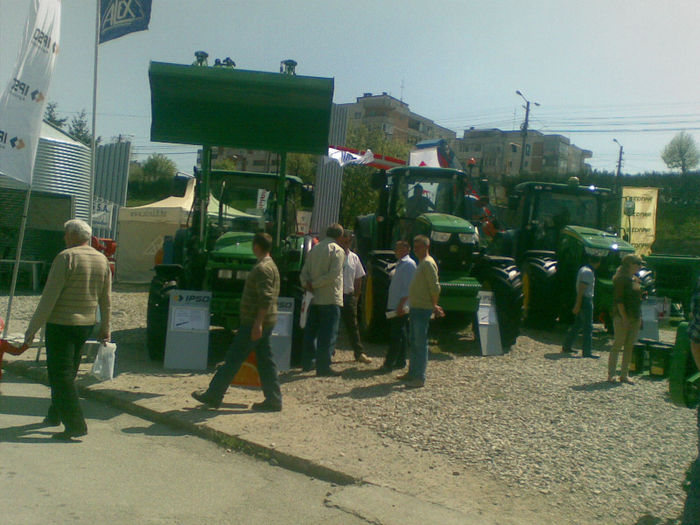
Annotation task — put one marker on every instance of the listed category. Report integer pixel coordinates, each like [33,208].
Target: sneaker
[404,377]
[591,356]
[565,350]
[415,383]
[266,406]
[328,373]
[363,358]
[202,397]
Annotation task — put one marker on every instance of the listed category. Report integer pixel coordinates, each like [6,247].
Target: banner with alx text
[23,101]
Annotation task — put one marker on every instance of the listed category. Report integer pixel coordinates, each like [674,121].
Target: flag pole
[94,112]
[18,258]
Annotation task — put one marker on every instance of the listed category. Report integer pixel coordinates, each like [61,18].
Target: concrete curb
[257,450]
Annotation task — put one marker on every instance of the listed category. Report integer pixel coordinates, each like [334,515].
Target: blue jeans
[583,321]
[419,321]
[240,349]
[398,342]
[320,334]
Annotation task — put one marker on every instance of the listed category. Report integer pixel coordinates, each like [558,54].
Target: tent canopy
[141,230]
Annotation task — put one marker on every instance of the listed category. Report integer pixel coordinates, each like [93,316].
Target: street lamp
[619,165]
[525,125]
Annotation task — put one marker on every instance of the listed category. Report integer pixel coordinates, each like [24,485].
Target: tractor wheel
[157,317]
[369,311]
[538,288]
[682,393]
[505,281]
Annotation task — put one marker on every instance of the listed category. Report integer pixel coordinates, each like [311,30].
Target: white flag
[345,157]
[23,101]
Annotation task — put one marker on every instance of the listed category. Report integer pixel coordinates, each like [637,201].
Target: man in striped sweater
[79,281]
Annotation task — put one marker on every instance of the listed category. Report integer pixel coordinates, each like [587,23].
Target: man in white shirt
[583,308]
[353,272]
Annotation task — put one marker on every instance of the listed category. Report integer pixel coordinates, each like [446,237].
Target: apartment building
[395,119]
[499,152]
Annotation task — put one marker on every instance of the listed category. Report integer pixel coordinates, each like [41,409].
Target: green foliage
[681,153]
[302,166]
[358,198]
[151,180]
[158,166]
[80,130]
[51,115]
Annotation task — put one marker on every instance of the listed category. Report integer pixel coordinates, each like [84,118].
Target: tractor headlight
[225,274]
[596,252]
[440,236]
[467,238]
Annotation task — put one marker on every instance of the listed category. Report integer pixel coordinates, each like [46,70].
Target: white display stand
[650,320]
[489,333]
[187,338]
[281,338]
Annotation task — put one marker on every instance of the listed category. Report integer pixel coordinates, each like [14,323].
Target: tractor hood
[236,245]
[442,222]
[598,242]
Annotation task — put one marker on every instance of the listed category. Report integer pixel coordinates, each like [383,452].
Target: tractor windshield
[559,209]
[415,195]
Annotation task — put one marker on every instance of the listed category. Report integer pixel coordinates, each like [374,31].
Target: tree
[80,130]
[358,197]
[681,152]
[51,115]
[303,166]
[157,167]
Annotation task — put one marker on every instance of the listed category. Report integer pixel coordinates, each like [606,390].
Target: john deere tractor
[432,202]
[554,227]
[223,106]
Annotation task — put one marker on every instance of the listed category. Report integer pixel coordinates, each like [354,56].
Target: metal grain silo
[63,166]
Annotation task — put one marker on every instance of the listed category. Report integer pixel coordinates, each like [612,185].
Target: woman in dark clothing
[627,316]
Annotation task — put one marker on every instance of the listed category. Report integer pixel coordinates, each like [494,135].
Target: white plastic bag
[304,311]
[103,367]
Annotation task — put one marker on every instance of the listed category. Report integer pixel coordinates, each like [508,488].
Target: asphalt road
[129,470]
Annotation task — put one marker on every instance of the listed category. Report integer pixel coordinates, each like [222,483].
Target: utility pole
[524,130]
[619,166]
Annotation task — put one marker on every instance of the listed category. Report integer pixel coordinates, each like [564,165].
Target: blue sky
[600,70]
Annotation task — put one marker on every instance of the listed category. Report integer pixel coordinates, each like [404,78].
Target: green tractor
[432,202]
[249,109]
[555,227]
[222,262]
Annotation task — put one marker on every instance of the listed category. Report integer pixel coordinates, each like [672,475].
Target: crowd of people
[79,282]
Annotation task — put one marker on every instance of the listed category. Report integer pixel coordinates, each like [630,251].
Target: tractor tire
[682,367]
[504,279]
[372,310]
[157,317]
[540,305]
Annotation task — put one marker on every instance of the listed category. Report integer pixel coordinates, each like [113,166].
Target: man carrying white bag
[79,281]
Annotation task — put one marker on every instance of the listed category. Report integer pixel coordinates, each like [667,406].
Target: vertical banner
[23,101]
[641,226]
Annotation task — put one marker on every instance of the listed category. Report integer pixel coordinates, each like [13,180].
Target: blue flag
[121,17]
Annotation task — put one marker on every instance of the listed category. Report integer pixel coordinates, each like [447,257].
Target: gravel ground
[534,419]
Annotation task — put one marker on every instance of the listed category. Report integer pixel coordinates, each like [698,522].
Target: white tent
[142,229]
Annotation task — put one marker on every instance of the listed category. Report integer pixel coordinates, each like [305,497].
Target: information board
[187,337]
